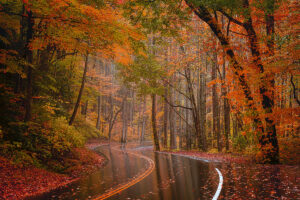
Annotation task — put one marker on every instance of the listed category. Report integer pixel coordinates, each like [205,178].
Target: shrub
[63,137]
[239,143]
[25,158]
[289,150]
[87,130]
[41,142]
[67,133]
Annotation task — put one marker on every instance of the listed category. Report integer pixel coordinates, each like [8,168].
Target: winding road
[133,181]
[136,172]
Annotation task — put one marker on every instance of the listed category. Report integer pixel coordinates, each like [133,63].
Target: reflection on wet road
[119,188]
[173,178]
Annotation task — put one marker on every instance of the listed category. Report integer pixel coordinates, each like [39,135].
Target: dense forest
[212,76]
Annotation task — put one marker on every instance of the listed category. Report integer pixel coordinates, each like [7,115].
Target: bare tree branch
[238,33]
[177,90]
[181,117]
[231,18]
[175,106]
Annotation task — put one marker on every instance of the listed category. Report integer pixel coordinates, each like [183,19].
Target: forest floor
[244,178]
[19,182]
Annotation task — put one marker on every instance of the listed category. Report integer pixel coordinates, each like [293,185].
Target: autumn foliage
[222,76]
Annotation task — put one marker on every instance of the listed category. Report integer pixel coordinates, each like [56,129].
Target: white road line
[219,186]
[216,196]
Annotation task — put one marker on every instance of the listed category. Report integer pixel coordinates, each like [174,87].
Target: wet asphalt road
[177,178]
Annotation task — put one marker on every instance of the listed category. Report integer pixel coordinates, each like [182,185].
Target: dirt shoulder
[17,182]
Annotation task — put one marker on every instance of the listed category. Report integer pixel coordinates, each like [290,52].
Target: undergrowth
[45,143]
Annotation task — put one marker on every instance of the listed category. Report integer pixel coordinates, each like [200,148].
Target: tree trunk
[269,137]
[80,91]
[187,128]
[172,119]
[29,58]
[235,125]
[98,112]
[224,94]
[201,139]
[124,117]
[153,119]
[202,105]
[165,122]
[144,122]
[85,108]
[102,123]
[132,112]
[215,103]
[226,120]
[112,122]
[180,128]
[226,108]
[139,121]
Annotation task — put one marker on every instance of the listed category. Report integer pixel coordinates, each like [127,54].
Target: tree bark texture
[80,91]
[153,119]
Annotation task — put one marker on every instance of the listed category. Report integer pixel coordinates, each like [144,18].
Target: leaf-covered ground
[245,179]
[255,181]
[19,182]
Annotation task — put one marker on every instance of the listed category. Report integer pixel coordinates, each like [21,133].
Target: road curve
[176,177]
[119,188]
[124,186]
[140,173]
